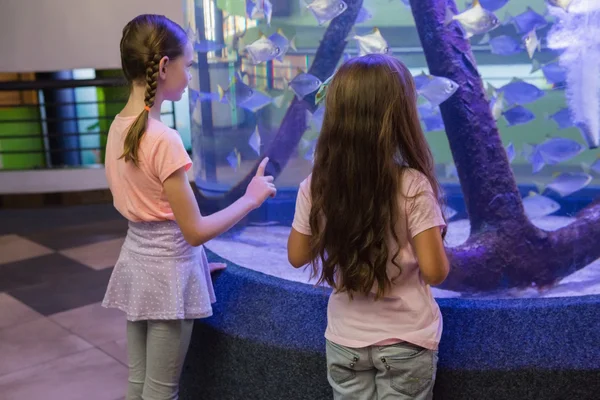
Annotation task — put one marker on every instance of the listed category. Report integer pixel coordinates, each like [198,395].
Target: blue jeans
[400,371]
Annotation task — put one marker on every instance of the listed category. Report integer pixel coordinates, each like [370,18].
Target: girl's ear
[162,67]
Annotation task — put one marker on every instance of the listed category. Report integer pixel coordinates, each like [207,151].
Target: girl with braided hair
[162,278]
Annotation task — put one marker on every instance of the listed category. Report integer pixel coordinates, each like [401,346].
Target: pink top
[138,192]
[408,312]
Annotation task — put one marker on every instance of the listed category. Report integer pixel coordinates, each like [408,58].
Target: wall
[51,35]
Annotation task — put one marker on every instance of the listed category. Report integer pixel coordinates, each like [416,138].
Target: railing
[51,130]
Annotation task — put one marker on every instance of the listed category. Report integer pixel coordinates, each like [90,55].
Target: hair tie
[147,108]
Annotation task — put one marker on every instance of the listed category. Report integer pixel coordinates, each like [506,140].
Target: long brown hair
[146,40]
[370,133]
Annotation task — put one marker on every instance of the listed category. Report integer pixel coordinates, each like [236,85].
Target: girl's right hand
[261,186]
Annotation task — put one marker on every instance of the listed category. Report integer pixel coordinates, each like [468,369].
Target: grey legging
[156,351]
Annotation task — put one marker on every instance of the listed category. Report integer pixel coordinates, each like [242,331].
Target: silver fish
[257,101]
[538,206]
[237,90]
[262,50]
[552,151]
[326,10]
[279,39]
[372,43]
[526,21]
[234,159]
[316,118]
[564,4]
[474,21]
[497,105]
[309,149]
[438,90]
[518,115]
[449,212]
[254,141]
[304,84]
[570,182]
[259,9]
[562,118]
[532,43]
[520,92]
[510,152]
[363,16]
[450,171]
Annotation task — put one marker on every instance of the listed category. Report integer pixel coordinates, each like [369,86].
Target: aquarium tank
[509,100]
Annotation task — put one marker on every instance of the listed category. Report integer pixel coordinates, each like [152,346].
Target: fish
[526,21]
[538,206]
[363,16]
[431,117]
[553,72]
[371,43]
[278,38]
[438,90]
[326,10]
[234,159]
[259,9]
[562,118]
[254,141]
[510,152]
[518,115]
[492,5]
[564,4]
[244,96]
[504,45]
[497,105]
[307,147]
[303,84]
[520,92]
[568,183]
[257,101]
[532,43]
[427,110]
[449,212]
[594,167]
[433,123]
[421,80]
[263,50]
[474,21]
[552,151]
[450,171]
[237,90]
[205,46]
[316,118]
[196,96]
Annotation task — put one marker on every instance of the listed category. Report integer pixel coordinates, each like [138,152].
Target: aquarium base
[265,342]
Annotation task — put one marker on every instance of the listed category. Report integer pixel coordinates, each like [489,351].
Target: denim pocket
[411,368]
[340,363]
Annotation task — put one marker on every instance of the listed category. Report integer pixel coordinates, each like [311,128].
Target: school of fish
[575,70]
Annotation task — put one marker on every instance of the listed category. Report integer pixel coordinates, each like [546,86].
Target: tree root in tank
[293,126]
[504,249]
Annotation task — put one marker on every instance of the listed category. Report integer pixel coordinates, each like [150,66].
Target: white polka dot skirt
[160,276]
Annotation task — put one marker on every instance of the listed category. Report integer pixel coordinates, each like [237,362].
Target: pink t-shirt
[138,192]
[408,312]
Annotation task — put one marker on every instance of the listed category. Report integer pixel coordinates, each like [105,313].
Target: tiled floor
[56,341]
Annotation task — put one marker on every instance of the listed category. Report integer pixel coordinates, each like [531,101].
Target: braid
[151,79]
[138,128]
